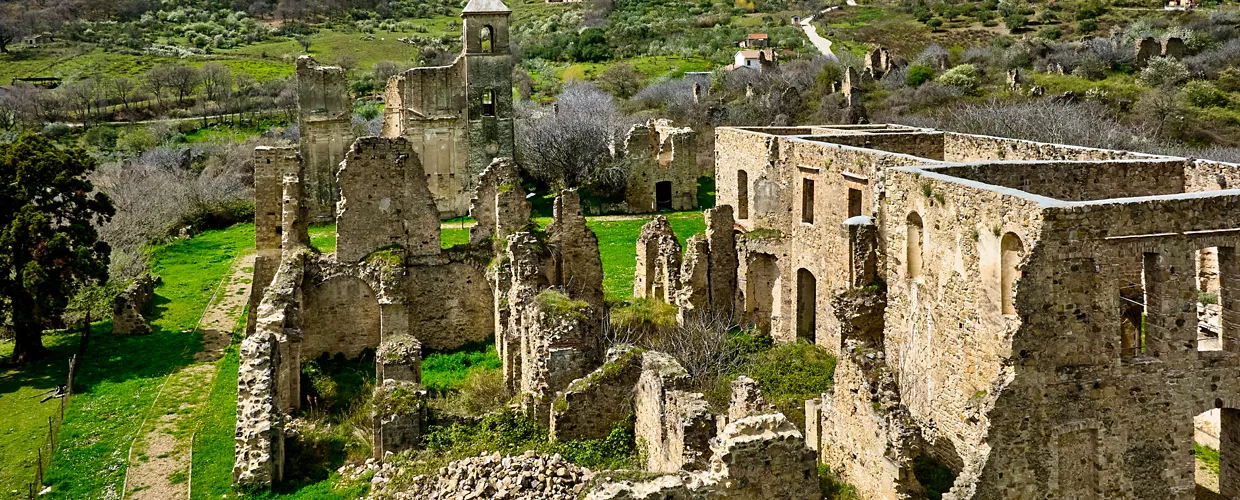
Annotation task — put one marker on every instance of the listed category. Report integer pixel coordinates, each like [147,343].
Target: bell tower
[488,80]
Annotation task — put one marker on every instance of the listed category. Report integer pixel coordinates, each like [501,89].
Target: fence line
[47,446]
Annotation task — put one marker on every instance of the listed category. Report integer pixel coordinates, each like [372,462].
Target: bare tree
[178,78]
[572,143]
[81,96]
[217,81]
[123,90]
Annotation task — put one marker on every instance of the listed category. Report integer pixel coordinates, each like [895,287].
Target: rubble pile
[519,477]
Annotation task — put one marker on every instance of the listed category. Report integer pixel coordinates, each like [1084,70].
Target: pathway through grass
[159,459]
[121,376]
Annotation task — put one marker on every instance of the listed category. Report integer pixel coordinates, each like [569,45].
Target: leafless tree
[177,78]
[1087,124]
[572,143]
[123,90]
[217,81]
[82,95]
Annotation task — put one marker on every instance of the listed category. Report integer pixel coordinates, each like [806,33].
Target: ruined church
[458,118]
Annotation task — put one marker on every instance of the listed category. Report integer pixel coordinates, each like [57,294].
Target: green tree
[919,74]
[48,242]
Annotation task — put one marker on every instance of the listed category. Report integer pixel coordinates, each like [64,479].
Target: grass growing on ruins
[323,237]
[788,374]
[1207,457]
[120,376]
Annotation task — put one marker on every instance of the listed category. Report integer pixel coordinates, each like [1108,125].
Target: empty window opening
[1012,249]
[807,201]
[663,195]
[1209,307]
[760,284]
[742,194]
[1134,300]
[912,246]
[807,311]
[486,39]
[1216,452]
[488,103]
[854,202]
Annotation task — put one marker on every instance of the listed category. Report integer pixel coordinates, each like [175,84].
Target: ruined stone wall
[946,336]
[675,426]
[660,152]
[270,166]
[1207,175]
[592,406]
[325,114]
[385,201]
[920,144]
[450,304]
[1109,421]
[968,147]
[341,317]
[1080,180]
[427,107]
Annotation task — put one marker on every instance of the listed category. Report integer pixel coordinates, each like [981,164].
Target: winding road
[822,44]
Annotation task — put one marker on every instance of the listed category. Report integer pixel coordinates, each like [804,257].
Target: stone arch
[486,39]
[1012,249]
[341,316]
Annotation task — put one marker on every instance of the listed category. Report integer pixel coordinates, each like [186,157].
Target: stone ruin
[457,118]
[702,279]
[389,286]
[1038,319]
[663,167]
[1149,47]
[127,307]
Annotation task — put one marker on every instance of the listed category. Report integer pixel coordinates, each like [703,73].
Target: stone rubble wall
[761,457]
[963,148]
[591,406]
[127,306]
[384,201]
[499,205]
[1080,181]
[660,152]
[657,275]
[927,145]
[675,426]
[528,476]
[324,111]
[270,166]
[398,416]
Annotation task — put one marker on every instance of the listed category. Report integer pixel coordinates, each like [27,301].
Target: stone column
[1171,302]
[1229,453]
[399,358]
[398,416]
[723,260]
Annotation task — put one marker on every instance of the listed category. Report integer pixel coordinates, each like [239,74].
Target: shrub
[1229,80]
[1050,33]
[964,76]
[918,75]
[1087,26]
[1204,94]
[1090,67]
[1163,72]
[834,488]
[934,23]
[1015,22]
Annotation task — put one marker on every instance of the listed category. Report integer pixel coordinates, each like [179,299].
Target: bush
[918,75]
[789,374]
[1229,80]
[934,23]
[1163,72]
[834,488]
[1087,26]
[964,76]
[1204,94]
[1050,33]
[1015,22]
[101,137]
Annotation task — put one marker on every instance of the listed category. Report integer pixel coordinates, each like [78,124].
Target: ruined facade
[389,286]
[663,167]
[1032,316]
[325,114]
[127,307]
[458,118]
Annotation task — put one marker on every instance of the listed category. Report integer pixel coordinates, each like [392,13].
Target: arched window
[488,102]
[486,39]
[1012,249]
[742,194]
[912,245]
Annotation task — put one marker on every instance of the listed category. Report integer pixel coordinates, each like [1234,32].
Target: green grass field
[24,425]
[121,375]
[617,241]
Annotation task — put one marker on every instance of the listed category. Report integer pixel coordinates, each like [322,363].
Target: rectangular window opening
[807,201]
[1133,304]
[488,103]
[1209,305]
[854,202]
[742,195]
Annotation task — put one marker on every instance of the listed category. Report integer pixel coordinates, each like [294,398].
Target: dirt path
[159,459]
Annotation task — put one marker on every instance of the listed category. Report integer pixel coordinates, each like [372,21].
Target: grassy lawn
[324,237]
[121,375]
[24,426]
[214,445]
[618,246]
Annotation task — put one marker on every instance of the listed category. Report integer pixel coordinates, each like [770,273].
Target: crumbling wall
[127,306]
[341,317]
[661,153]
[427,107]
[384,201]
[657,275]
[270,166]
[920,144]
[325,113]
[675,426]
[264,380]
[499,205]
[592,406]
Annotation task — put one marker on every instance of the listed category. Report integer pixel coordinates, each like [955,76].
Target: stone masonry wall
[1080,181]
[920,144]
[384,201]
[325,113]
[967,148]
[592,406]
[660,152]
